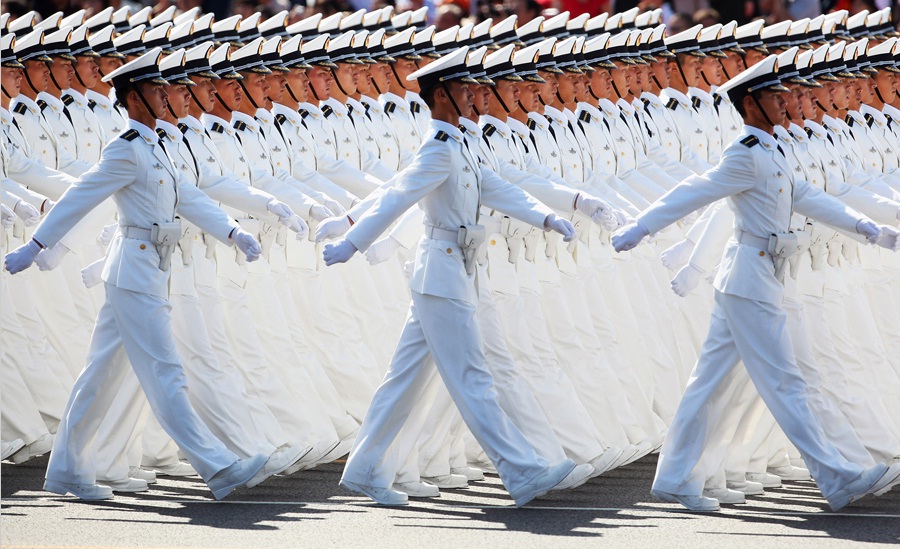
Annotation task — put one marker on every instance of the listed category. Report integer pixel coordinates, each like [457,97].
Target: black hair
[122,90]
[427,93]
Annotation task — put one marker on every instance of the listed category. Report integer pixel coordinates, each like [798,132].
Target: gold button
[493,242]
[143,246]
[160,181]
[780,190]
[761,253]
[449,250]
[196,237]
[89,144]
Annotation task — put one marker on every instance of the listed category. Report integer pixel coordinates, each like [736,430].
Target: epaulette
[303,113]
[20,108]
[118,104]
[549,118]
[441,135]
[91,104]
[849,120]
[531,124]
[750,141]
[462,129]
[809,132]
[240,126]
[68,100]
[869,119]
[645,101]
[672,104]
[280,119]
[889,120]
[414,107]
[586,116]
[218,128]
[130,135]
[717,100]
[390,107]
[161,132]
[327,111]
[183,128]
[42,104]
[488,129]
[695,102]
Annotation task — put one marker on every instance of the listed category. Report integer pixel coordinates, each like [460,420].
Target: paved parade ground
[310,510]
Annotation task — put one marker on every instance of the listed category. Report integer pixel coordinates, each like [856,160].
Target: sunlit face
[690,68]
[230,93]
[87,70]
[886,83]
[601,83]
[792,100]
[63,72]
[298,84]
[463,96]
[277,86]
[808,104]
[320,81]
[509,94]
[256,86]
[712,70]
[364,80]
[154,94]
[529,96]
[179,99]
[773,104]
[660,72]
[38,74]
[204,91]
[732,65]
[347,76]
[565,87]
[547,90]
[11,80]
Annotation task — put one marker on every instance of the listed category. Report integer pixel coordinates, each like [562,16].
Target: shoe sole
[62,490]
[885,488]
[670,498]
[353,487]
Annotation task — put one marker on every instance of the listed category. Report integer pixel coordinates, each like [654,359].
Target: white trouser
[884,308]
[446,328]
[755,332]
[139,326]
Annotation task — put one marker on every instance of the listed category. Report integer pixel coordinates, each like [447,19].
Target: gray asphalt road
[310,510]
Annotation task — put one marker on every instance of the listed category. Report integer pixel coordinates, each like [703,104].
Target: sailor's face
[775,105]
[38,73]
[62,72]
[204,92]
[463,96]
[109,64]
[156,97]
[87,70]
[509,93]
[179,99]
[661,72]
[732,65]
[320,79]
[12,81]
[712,70]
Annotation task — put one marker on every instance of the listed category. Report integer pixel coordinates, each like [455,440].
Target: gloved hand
[622,218]
[320,213]
[90,275]
[51,258]
[280,210]
[246,243]
[599,211]
[889,238]
[408,269]
[382,250]
[22,257]
[561,226]
[339,252]
[7,217]
[711,275]
[296,224]
[677,255]
[629,236]
[686,279]
[690,219]
[27,213]
[107,234]
[332,228]
[334,206]
[868,229]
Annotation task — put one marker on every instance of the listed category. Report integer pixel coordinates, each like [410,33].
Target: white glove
[334,206]
[320,213]
[332,228]
[677,255]
[868,229]
[599,211]
[107,234]
[27,213]
[90,275]
[629,236]
[622,218]
[687,279]
[280,210]
[296,224]
[22,257]
[246,243]
[339,252]
[7,217]
[561,226]
[382,250]
[889,238]
[51,258]
[690,218]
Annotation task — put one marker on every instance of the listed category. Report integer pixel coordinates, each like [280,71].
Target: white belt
[135,232]
[750,240]
[437,233]
[491,224]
